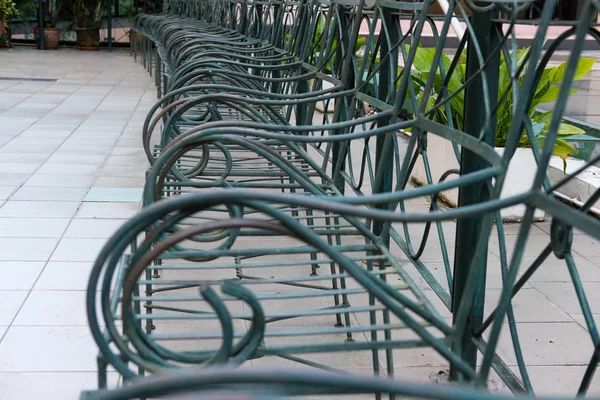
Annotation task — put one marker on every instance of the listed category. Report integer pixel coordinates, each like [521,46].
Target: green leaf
[458,101]
[561,148]
[560,74]
[552,94]
[545,80]
[538,128]
[419,81]
[521,55]
[564,129]
[503,78]
[544,117]
[584,66]
[457,73]
[423,60]
[463,69]
[568,130]
[504,74]
[584,137]
[360,42]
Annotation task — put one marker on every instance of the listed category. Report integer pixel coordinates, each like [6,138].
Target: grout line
[142,91]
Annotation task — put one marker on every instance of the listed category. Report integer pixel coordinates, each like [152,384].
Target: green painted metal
[269,383]
[469,230]
[276,233]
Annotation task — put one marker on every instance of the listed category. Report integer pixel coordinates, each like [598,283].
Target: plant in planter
[88,21]
[546,91]
[8,10]
[522,169]
[52,10]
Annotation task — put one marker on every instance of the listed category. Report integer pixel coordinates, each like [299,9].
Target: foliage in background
[149,6]
[52,12]
[316,46]
[546,91]
[68,13]
[27,11]
[8,11]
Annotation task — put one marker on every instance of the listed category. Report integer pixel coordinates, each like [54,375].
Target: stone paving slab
[63,192]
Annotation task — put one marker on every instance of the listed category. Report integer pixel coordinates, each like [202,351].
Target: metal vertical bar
[339,150]
[277,37]
[468,230]
[41,25]
[134,44]
[109,24]
[384,165]
[384,159]
[102,370]
[150,57]
[301,109]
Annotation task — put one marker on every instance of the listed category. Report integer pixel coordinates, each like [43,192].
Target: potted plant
[8,10]
[88,21]
[522,169]
[52,9]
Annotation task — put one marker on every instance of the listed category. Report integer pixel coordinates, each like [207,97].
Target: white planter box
[520,175]
[582,186]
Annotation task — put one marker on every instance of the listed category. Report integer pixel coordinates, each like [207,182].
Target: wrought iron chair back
[192,82]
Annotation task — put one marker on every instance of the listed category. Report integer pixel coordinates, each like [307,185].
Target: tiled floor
[64,190]
[71,172]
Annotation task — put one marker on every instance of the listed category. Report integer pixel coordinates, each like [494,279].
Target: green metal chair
[225,73]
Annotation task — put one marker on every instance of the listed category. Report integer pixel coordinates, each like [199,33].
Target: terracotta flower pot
[88,38]
[135,40]
[51,38]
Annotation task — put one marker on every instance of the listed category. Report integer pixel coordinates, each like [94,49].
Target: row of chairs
[279,223]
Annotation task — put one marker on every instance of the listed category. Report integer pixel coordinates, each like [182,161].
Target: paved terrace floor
[71,172]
